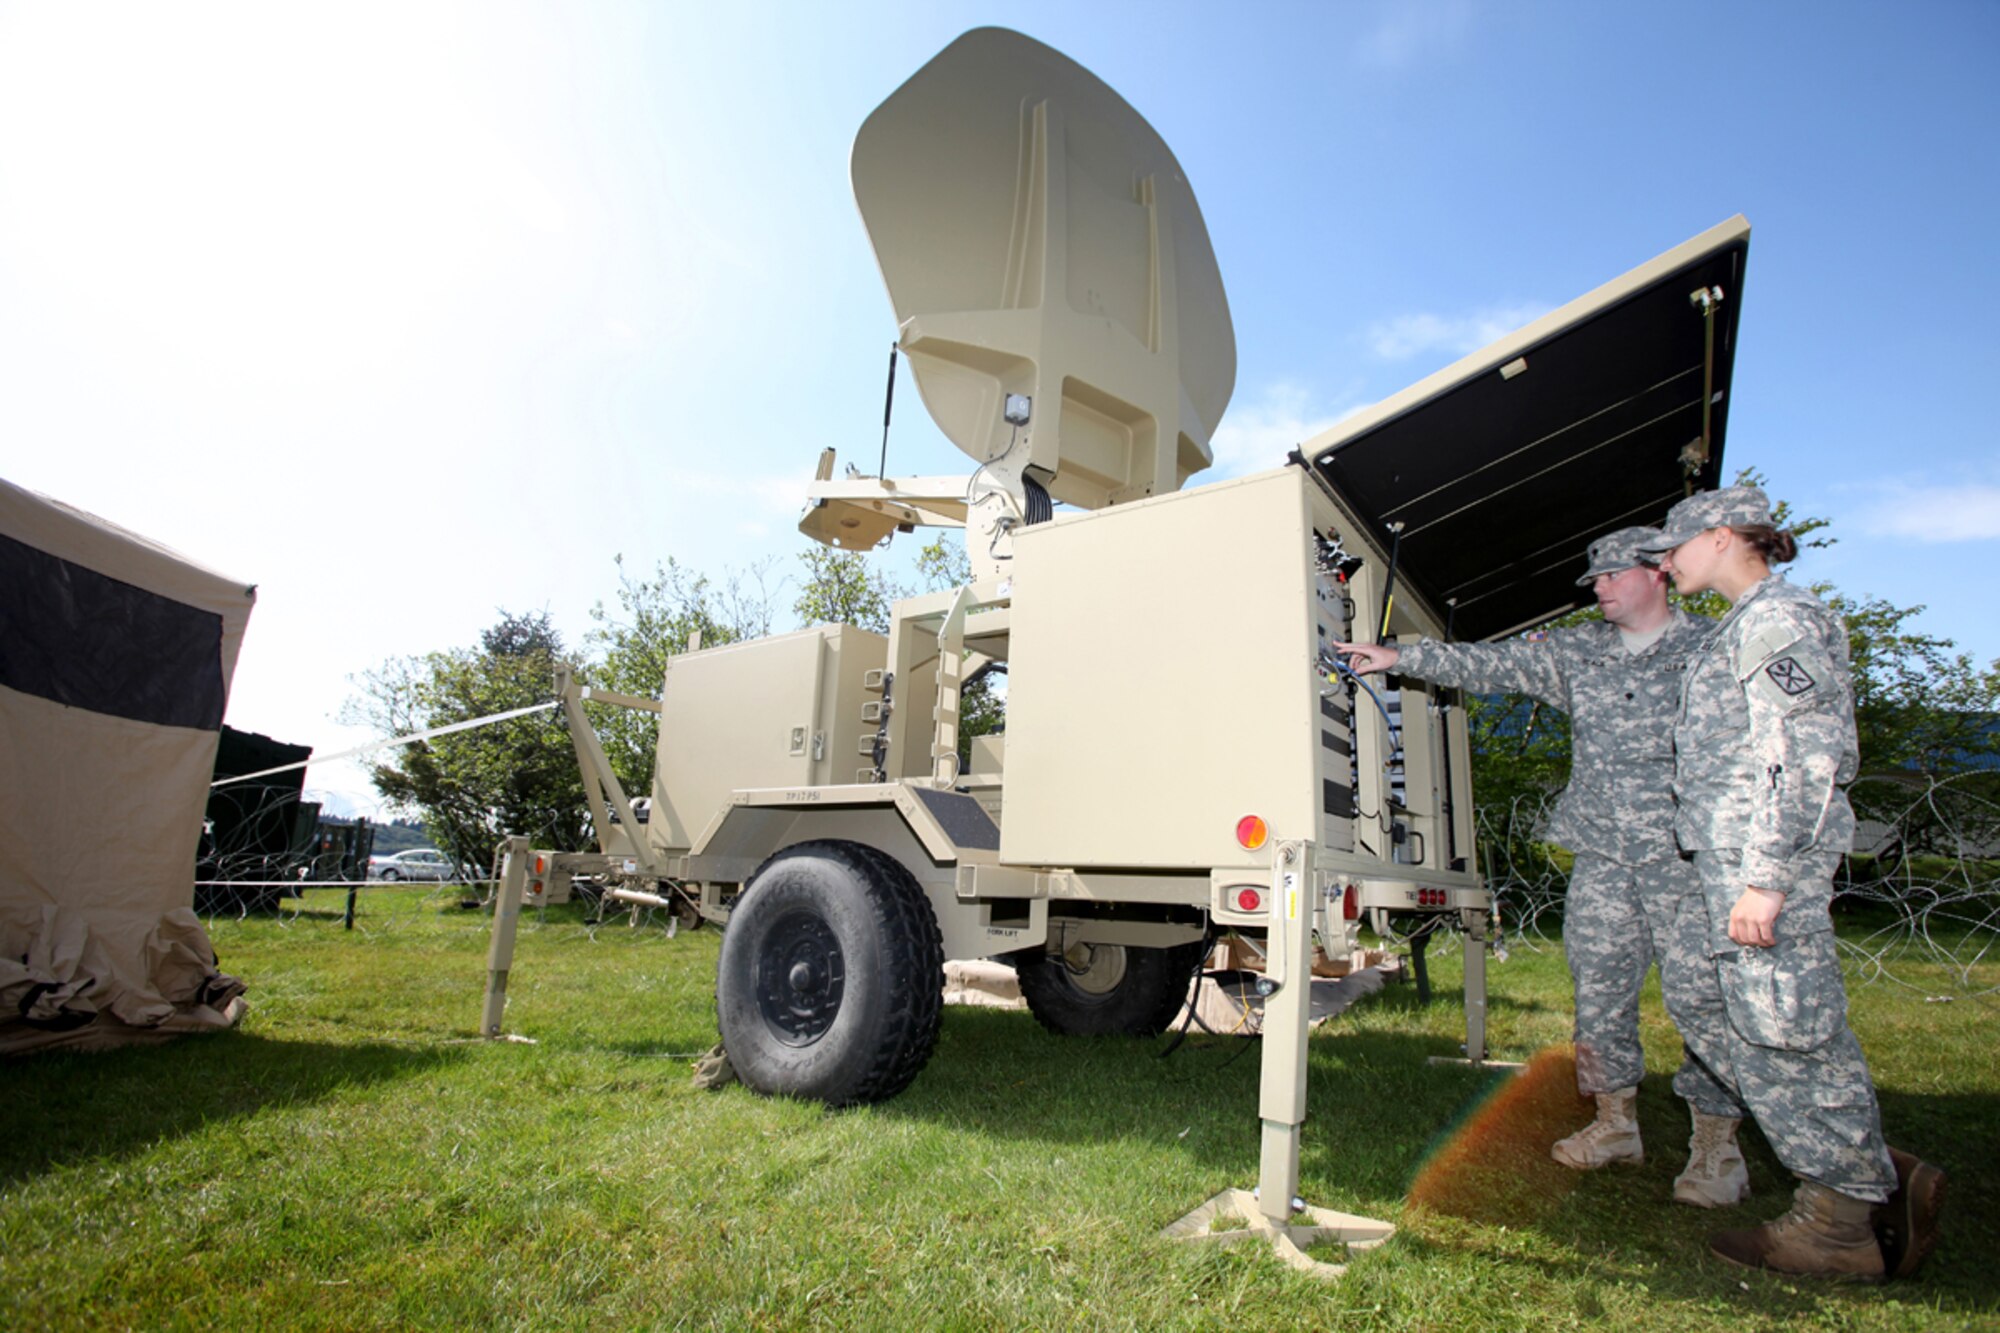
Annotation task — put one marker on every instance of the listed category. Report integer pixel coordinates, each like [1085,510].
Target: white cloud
[1936,514]
[1408,31]
[1408,335]
[1255,436]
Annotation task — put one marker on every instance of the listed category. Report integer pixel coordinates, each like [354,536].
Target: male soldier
[1619,680]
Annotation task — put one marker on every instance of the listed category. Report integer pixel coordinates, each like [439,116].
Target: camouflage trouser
[1772,1024]
[1617,921]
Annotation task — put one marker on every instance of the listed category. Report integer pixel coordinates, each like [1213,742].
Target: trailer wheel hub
[1096,969]
[800,977]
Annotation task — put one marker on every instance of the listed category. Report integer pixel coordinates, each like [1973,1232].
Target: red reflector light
[1350,905]
[1248,900]
[541,865]
[1251,832]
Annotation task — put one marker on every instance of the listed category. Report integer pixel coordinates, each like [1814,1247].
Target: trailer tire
[1120,991]
[830,983]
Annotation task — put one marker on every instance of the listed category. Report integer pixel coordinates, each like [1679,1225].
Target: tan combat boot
[1827,1234]
[1716,1176]
[1612,1137]
[1907,1225]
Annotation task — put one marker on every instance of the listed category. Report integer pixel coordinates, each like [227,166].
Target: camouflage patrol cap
[1731,507]
[1616,551]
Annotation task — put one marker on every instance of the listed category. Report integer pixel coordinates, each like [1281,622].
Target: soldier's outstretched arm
[1533,667]
[1368,658]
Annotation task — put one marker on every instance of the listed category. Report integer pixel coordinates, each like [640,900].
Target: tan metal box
[777,712]
[1162,682]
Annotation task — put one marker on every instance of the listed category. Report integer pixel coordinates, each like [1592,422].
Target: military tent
[115,661]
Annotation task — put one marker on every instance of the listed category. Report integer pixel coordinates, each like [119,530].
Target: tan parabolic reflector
[1038,237]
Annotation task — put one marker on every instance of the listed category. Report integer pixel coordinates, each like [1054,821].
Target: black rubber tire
[1138,1002]
[830,984]
[391,875]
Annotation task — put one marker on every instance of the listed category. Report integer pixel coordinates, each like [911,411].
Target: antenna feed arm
[861,513]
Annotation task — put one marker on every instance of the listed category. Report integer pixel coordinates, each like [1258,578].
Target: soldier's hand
[1752,919]
[1368,658]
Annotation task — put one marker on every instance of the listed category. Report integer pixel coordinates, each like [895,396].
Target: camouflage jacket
[1619,802]
[1765,740]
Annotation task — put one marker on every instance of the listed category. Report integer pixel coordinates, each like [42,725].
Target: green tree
[1925,716]
[1520,760]
[473,787]
[843,588]
[942,563]
[656,617]
[1919,705]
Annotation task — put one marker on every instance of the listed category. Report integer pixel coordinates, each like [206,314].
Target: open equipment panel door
[1495,474]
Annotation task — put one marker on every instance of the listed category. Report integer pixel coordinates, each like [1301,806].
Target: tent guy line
[373,746]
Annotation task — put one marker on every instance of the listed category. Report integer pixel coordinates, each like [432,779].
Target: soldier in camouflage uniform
[1619,680]
[1763,743]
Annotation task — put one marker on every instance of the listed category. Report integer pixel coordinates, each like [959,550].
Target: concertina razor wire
[1917,904]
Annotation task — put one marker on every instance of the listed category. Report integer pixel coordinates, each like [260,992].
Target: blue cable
[1341,665]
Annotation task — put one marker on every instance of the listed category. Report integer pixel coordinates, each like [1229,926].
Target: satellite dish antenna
[1040,242]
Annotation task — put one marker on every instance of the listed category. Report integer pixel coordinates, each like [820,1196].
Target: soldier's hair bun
[1775,545]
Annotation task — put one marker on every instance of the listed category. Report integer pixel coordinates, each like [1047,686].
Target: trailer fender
[931,833]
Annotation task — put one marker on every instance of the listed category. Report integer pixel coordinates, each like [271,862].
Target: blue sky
[412,312]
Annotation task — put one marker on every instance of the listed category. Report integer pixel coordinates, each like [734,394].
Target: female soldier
[1764,741]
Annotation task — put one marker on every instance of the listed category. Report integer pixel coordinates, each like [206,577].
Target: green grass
[354,1157]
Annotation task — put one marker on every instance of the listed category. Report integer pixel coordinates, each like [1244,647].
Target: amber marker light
[1252,832]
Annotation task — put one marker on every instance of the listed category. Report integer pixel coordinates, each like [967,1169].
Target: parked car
[416,863]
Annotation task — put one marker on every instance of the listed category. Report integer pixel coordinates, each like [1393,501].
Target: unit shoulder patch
[1789,676]
[1767,644]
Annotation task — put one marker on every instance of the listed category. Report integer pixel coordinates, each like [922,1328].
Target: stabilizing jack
[1476,1054]
[1236,1215]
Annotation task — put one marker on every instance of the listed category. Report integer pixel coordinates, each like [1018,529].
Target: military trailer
[1183,755]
